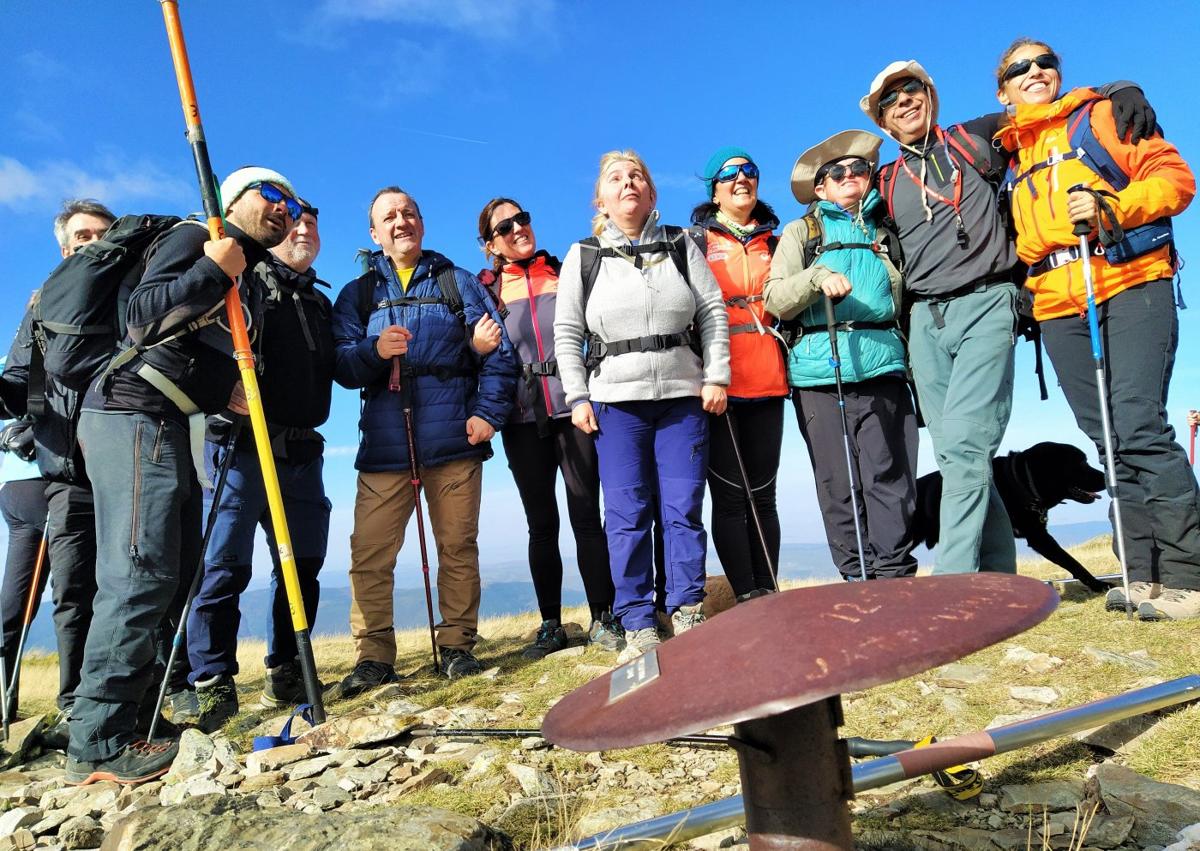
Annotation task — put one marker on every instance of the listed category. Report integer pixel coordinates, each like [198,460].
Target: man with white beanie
[136,431]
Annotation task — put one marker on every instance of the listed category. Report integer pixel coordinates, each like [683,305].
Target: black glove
[1133,114]
[17,438]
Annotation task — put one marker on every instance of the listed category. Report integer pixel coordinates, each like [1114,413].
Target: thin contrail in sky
[444,136]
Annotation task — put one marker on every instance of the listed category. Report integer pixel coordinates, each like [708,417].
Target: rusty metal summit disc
[786,650]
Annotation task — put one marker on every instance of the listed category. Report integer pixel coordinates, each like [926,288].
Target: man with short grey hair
[81,221]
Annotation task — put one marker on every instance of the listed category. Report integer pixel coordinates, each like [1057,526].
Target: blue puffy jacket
[865,353]
[461,383]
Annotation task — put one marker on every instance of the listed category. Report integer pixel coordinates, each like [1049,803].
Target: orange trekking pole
[245,361]
[35,591]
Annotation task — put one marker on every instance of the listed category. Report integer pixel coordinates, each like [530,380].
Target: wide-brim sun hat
[900,70]
[848,143]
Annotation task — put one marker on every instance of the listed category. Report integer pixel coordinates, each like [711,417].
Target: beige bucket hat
[848,143]
[869,103]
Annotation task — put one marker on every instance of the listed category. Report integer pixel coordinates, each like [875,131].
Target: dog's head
[1059,471]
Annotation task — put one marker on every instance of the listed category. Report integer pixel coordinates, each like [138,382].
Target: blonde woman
[642,342]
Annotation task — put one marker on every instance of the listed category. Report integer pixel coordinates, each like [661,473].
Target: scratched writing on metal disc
[633,675]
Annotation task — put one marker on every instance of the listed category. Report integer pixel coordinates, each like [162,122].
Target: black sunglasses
[1047,62]
[838,173]
[910,87]
[505,226]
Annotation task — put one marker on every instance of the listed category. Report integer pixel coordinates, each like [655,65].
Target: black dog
[1030,483]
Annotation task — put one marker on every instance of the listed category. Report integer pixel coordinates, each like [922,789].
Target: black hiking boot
[457,664]
[218,702]
[551,638]
[136,763]
[185,709]
[57,737]
[367,675]
[285,686]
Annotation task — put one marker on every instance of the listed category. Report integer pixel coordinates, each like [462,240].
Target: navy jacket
[464,385]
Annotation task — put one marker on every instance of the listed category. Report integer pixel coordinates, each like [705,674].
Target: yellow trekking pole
[245,360]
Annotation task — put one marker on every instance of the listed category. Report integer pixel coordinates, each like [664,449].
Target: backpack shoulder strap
[448,283]
[772,243]
[699,235]
[589,267]
[887,185]
[958,138]
[814,237]
[365,294]
[1094,155]
[677,248]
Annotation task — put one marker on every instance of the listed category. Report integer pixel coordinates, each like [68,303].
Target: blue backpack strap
[1088,148]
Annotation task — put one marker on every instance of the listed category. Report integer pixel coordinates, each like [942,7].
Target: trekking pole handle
[1082,227]
[394,379]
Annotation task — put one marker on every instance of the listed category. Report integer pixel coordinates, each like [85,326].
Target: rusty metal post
[796,779]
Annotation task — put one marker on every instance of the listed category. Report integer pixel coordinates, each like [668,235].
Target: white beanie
[239,181]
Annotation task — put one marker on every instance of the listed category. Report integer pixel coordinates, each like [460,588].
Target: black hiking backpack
[78,321]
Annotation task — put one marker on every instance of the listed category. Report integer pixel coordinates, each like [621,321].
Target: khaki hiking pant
[382,509]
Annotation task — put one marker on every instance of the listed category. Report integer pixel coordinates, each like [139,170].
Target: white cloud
[481,18]
[112,180]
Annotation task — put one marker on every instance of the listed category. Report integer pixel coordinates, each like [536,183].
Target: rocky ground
[346,784]
[373,777]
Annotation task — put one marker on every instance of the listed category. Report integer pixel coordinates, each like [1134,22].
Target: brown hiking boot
[1173,604]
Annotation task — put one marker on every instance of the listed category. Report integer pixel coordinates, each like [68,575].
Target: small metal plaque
[633,675]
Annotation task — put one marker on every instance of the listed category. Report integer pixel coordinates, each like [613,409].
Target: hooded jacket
[1161,184]
[741,266]
[793,291]
[627,303]
[528,290]
[446,382]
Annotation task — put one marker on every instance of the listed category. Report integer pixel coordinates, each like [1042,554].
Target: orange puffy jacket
[1160,184]
[741,269]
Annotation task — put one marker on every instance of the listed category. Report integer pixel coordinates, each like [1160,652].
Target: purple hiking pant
[648,448]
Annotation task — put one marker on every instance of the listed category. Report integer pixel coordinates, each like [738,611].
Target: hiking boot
[1173,604]
[637,642]
[606,633]
[1139,592]
[457,664]
[751,595]
[185,709]
[285,686]
[551,638]
[136,763]
[218,702]
[368,674]
[687,617]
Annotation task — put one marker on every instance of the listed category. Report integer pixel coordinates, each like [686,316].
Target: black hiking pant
[1160,508]
[758,425]
[535,463]
[883,450]
[23,504]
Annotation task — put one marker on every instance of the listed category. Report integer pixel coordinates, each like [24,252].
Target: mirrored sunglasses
[272,194]
[730,172]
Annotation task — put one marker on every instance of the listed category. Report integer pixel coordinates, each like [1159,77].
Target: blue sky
[461,100]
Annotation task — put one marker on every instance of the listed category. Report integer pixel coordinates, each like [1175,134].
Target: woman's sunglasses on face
[838,173]
[1047,62]
[730,172]
[505,226]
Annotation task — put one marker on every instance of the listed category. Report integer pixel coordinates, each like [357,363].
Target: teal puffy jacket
[867,352]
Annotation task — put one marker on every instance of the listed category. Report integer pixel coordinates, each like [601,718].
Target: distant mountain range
[507,589]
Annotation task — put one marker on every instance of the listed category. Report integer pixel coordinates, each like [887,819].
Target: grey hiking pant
[961,354]
[883,449]
[1139,332]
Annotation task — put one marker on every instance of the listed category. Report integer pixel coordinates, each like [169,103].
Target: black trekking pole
[3,677]
[31,601]
[244,357]
[181,630]
[836,362]
[395,386]
[762,538]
